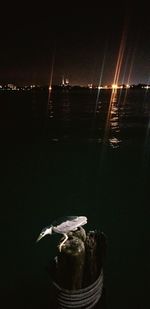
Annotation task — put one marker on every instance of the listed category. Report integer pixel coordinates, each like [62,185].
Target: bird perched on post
[63,226]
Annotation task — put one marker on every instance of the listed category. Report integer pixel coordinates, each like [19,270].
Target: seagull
[63,226]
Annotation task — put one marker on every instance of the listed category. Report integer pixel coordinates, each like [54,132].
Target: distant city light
[65,82]
[114,86]
[12,87]
[90,86]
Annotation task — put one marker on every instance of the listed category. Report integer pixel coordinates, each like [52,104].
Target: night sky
[81,39]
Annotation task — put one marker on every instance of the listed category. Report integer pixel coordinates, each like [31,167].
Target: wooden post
[70,265]
[79,266]
[95,245]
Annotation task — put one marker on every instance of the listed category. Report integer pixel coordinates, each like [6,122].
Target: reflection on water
[50,109]
[113,120]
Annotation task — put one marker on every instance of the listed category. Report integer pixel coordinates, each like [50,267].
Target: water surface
[83,154]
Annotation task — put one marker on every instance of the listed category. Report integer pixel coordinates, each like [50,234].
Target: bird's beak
[40,236]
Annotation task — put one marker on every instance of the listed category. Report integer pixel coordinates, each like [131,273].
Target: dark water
[83,155]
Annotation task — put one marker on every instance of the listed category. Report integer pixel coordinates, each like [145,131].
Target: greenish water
[69,170]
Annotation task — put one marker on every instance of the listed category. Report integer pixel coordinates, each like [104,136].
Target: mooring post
[70,264]
[78,271]
[95,253]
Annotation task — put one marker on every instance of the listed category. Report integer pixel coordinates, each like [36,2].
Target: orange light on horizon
[114,86]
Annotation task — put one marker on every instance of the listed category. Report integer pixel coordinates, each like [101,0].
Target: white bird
[63,226]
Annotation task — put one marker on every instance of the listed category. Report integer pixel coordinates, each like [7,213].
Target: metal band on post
[85,298]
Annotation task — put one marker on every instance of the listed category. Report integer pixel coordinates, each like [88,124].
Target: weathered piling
[70,264]
[77,272]
[95,245]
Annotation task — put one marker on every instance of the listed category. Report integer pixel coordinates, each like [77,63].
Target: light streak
[100,80]
[49,103]
[120,58]
[115,83]
[51,77]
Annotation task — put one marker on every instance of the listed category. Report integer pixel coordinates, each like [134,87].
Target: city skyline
[87,44]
